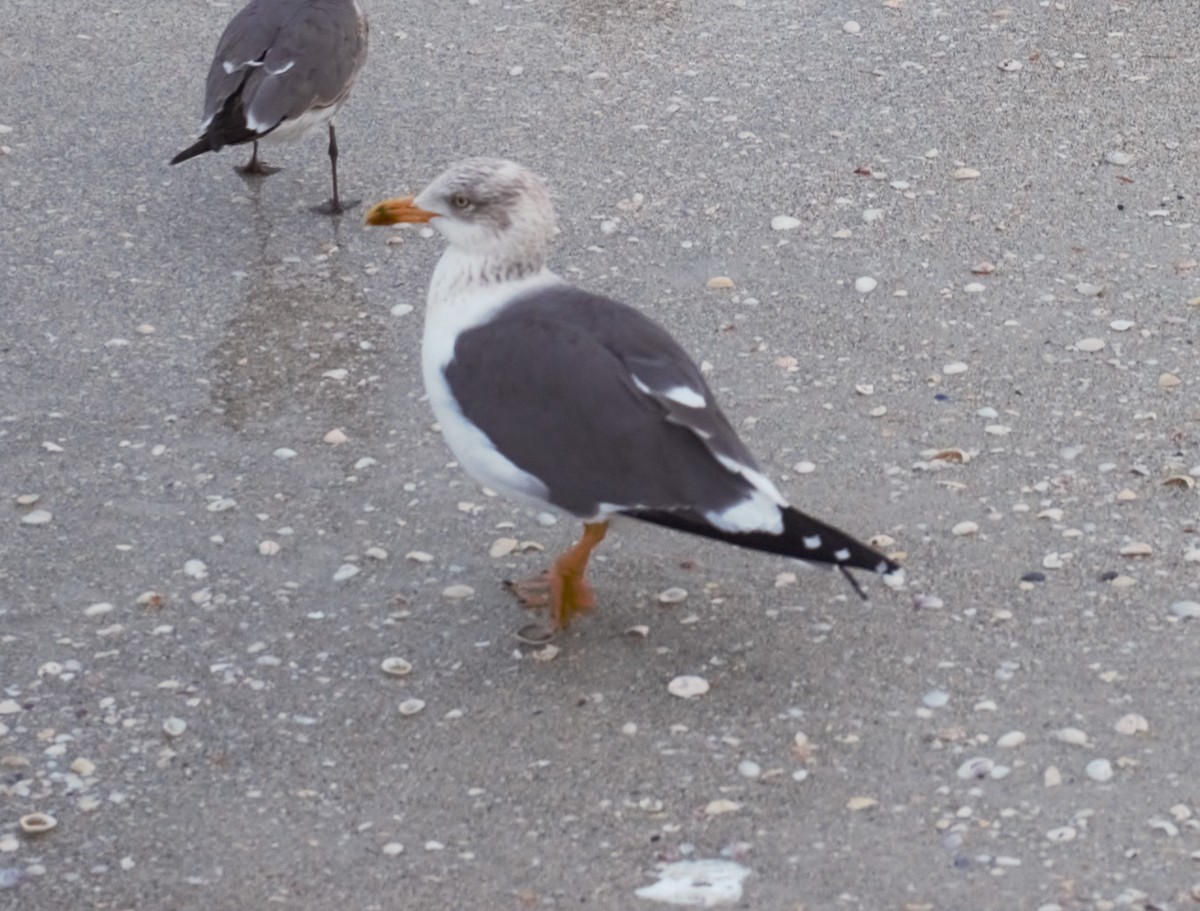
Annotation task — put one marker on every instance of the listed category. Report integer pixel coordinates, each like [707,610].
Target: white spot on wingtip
[812,542]
[681,395]
[685,396]
[755,513]
[894,579]
[842,555]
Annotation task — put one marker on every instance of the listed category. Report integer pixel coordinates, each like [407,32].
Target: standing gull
[551,394]
[281,68]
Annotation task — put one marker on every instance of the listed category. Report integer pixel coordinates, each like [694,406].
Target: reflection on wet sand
[302,345]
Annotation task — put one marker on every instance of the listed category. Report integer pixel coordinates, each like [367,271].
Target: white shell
[174,727]
[396,667]
[37,823]
[687,686]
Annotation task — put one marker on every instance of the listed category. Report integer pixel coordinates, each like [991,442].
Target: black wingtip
[803,538]
[199,147]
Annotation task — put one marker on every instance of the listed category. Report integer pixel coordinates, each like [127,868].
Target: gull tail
[803,538]
[199,147]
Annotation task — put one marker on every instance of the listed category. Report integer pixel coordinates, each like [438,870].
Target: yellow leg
[570,593]
[563,589]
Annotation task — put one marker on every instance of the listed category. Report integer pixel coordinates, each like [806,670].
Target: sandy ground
[1018,730]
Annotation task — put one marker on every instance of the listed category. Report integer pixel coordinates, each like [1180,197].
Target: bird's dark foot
[255,168]
[335,208]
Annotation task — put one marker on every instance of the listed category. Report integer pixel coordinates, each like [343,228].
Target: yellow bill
[398,211]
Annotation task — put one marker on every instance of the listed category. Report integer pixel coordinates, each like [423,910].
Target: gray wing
[286,57]
[600,404]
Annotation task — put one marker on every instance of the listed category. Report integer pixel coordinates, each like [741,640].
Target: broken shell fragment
[37,823]
[535,634]
[687,686]
[1137,549]
[1183,481]
[395,667]
[174,727]
[951,455]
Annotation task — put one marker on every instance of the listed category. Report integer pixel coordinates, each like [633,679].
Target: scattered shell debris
[396,667]
[719,282]
[1131,724]
[1062,834]
[687,686]
[536,633]
[1186,610]
[1073,736]
[457,592]
[1136,549]
[673,595]
[856,804]
[503,547]
[411,706]
[1099,770]
[37,823]
[721,806]
[174,727]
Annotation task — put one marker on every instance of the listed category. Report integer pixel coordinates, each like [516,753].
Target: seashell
[687,686]
[395,667]
[37,823]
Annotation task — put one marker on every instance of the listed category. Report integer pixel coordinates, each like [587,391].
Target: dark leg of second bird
[256,168]
[335,205]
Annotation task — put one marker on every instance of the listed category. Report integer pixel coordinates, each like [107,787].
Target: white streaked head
[493,208]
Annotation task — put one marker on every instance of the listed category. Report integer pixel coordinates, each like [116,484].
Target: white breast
[455,305]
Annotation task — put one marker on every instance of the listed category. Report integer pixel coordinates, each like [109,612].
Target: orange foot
[563,589]
[532,591]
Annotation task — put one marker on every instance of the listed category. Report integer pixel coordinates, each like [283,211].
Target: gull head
[484,207]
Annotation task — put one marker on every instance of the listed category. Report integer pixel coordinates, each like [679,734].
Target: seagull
[281,68]
[570,400]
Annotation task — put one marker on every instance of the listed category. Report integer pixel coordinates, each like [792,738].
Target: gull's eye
[460,201]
